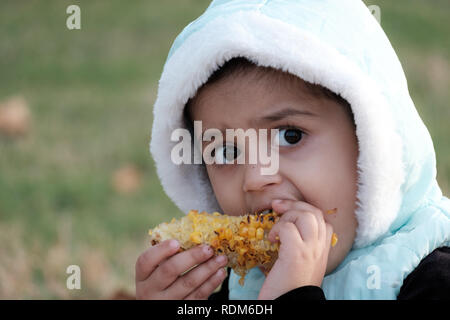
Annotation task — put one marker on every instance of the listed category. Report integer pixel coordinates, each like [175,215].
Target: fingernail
[220,272]
[220,259]
[174,244]
[277,201]
[207,249]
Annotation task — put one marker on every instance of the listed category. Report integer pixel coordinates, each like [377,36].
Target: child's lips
[262,209]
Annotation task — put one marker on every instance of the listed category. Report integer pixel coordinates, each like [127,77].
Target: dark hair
[240,65]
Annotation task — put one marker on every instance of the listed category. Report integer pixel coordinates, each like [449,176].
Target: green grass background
[91,92]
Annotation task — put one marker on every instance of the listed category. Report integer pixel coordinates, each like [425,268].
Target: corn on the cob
[243,239]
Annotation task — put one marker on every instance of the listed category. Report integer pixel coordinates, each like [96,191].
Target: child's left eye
[289,136]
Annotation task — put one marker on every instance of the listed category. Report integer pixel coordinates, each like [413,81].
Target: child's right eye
[225,154]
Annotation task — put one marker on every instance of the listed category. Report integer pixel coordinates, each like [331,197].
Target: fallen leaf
[127,179]
[14,117]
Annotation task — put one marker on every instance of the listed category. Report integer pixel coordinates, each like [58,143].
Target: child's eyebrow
[275,116]
[284,113]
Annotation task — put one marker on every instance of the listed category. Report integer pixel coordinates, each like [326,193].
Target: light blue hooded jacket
[402,214]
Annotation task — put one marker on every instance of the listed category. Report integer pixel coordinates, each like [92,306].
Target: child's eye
[289,136]
[225,154]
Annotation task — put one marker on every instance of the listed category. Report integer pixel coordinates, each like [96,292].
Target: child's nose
[255,181]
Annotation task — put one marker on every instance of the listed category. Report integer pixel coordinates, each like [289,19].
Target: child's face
[317,157]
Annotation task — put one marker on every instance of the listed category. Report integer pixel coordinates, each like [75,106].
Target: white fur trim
[255,36]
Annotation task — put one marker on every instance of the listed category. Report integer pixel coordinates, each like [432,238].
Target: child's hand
[158,272]
[305,240]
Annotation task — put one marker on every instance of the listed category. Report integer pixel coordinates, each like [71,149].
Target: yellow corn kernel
[259,233]
[243,231]
[250,264]
[228,233]
[251,232]
[255,223]
[334,239]
[192,213]
[215,243]
[220,233]
[269,222]
[196,237]
[242,250]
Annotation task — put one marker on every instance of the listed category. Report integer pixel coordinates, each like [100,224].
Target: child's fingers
[195,278]
[153,256]
[287,233]
[172,268]
[306,223]
[208,287]
[303,208]
[284,205]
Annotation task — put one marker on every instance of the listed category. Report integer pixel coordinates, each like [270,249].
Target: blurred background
[77,183]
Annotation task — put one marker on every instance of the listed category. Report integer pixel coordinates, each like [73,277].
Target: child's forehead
[257,84]
[259,102]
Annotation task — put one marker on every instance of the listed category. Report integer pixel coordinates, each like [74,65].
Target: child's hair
[242,66]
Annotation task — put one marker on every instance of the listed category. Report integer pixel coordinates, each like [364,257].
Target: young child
[324,74]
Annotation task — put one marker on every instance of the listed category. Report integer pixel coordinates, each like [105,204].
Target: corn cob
[243,239]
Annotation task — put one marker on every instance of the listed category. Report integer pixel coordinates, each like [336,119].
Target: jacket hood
[335,43]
